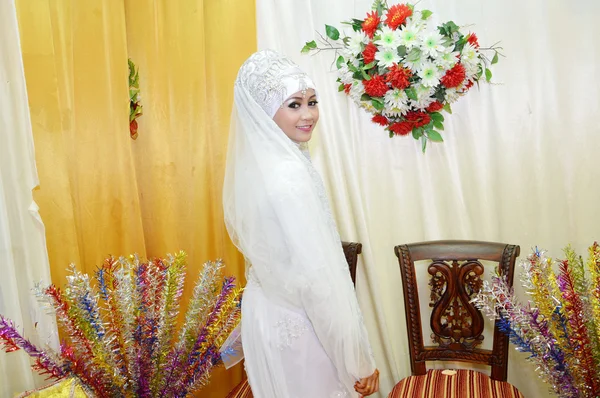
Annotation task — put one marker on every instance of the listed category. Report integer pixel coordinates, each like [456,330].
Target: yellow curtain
[102,193]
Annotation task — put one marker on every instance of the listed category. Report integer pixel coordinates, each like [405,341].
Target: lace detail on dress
[290,329]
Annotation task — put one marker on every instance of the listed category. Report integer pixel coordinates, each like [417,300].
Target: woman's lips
[306,129]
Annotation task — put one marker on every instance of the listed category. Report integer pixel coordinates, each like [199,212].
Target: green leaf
[488,74]
[377,104]
[365,97]
[448,108]
[437,117]
[411,93]
[357,75]
[402,51]
[352,68]
[391,134]
[366,75]
[495,59]
[339,62]
[310,45]
[414,54]
[369,66]
[417,133]
[425,14]
[434,136]
[341,87]
[332,32]
[346,40]
[438,125]
[357,24]
[423,143]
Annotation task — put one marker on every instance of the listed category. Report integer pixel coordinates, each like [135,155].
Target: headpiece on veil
[271,78]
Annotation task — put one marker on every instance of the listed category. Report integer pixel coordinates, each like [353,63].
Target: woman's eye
[313,103]
[294,105]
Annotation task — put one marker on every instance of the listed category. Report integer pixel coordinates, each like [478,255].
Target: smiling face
[298,116]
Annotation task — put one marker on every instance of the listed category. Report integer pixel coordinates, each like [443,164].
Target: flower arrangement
[135,105]
[403,72]
[122,334]
[560,327]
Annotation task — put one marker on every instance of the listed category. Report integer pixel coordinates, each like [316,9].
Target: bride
[303,334]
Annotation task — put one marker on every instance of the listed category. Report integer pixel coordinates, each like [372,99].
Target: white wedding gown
[303,335]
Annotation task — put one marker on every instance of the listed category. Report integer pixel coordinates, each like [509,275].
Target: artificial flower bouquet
[403,71]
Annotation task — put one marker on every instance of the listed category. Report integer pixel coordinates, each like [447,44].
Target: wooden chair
[456,275]
[351,251]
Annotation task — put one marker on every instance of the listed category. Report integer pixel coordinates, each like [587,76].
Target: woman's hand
[368,385]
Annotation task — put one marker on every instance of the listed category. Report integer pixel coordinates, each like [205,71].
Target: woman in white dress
[303,335]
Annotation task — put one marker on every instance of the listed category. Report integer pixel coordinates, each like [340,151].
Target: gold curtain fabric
[101,193]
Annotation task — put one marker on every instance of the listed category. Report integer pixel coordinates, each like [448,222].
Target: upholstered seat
[456,270]
[351,251]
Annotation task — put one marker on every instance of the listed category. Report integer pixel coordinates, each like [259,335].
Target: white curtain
[517,165]
[23,256]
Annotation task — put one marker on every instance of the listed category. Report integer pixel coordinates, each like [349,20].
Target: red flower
[454,77]
[369,26]
[401,128]
[376,87]
[472,39]
[133,129]
[418,119]
[397,15]
[369,53]
[434,107]
[398,77]
[380,119]
[347,88]
[469,85]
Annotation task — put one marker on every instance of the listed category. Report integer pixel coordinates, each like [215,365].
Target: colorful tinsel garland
[122,339]
[560,327]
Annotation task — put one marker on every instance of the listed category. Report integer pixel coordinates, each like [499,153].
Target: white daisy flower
[345,74]
[390,39]
[387,57]
[430,74]
[394,112]
[432,44]
[447,59]
[452,95]
[416,24]
[471,69]
[469,54]
[357,42]
[408,37]
[424,98]
[356,90]
[396,99]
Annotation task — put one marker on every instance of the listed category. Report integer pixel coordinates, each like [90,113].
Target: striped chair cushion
[242,390]
[453,384]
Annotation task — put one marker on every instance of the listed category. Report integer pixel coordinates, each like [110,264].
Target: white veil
[277,214]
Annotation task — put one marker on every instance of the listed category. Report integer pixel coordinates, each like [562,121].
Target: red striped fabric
[242,390]
[454,384]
